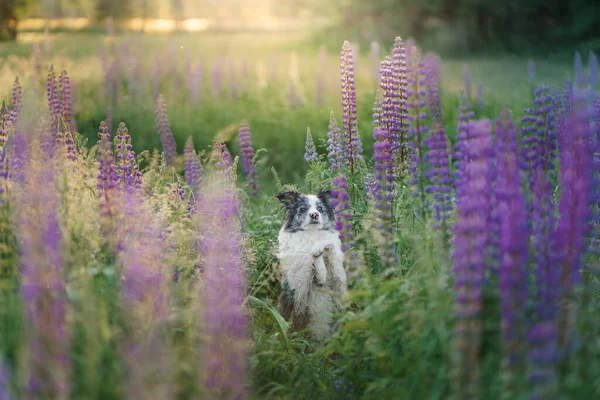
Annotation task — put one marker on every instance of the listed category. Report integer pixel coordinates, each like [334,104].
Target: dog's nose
[314,215]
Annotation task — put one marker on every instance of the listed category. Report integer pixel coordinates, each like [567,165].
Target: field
[138,260]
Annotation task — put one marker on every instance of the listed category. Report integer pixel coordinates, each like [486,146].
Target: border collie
[310,251]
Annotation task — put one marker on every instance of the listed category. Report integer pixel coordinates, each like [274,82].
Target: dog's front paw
[326,249]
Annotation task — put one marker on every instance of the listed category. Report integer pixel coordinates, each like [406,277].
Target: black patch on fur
[297,206]
[326,198]
[286,308]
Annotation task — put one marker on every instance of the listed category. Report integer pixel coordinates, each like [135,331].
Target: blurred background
[446,26]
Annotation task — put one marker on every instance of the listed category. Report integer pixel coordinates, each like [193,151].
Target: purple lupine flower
[579,76]
[178,190]
[196,82]
[592,69]
[577,169]
[471,236]
[144,299]
[400,73]
[322,76]
[166,137]
[531,71]
[432,69]
[370,186]
[513,240]
[17,101]
[438,173]
[352,142]
[465,116]
[4,160]
[223,293]
[334,145]
[543,352]
[64,91]
[342,210]
[107,172]
[156,75]
[248,158]
[467,78]
[378,109]
[418,115]
[53,102]
[222,158]
[42,287]
[192,206]
[539,133]
[480,99]
[384,193]
[375,55]
[311,151]
[194,173]
[128,170]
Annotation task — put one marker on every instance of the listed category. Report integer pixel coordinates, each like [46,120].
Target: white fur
[314,253]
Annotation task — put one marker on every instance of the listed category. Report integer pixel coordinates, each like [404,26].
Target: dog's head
[308,212]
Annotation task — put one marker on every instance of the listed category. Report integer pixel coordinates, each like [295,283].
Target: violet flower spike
[352,142]
[311,151]
[166,137]
[334,145]
[248,158]
[194,173]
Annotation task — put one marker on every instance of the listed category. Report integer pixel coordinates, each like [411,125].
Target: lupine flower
[128,170]
[64,90]
[53,102]
[42,287]
[166,137]
[432,70]
[233,84]
[370,186]
[378,109]
[311,151]
[192,206]
[465,116]
[539,133]
[418,115]
[469,254]
[543,352]
[438,173]
[342,207]
[531,71]
[144,298]
[480,100]
[194,173]
[577,168]
[579,76]
[225,318]
[178,190]
[352,142]
[334,145]
[17,100]
[107,172]
[513,245]
[248,158]
[216,84]
[592,69]
[156,76]
[4,162]
[222,158]
[384,193]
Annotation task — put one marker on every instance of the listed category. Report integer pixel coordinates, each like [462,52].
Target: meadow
[139,223]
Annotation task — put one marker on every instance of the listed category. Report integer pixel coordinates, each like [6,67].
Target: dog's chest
[306,242]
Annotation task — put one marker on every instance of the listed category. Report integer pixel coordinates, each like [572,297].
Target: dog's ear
[325,196]
[288,198]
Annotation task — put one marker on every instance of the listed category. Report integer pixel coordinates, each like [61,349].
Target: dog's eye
[320,209]
[302,210]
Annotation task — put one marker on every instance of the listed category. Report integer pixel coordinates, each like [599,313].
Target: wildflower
[480,99]
[248,158]
[128,171]
[178,190]
[471,236]
[223,293]
[531,70]
[53,102]
[17,100]
[467,79]
[107,172]
[592,69]
[334,145]
[513,245]
[432,78]
[465,116]
[194,173]
[166,137]
[352,142]
[311,151]
[438,173]
[375,50]
[384,193]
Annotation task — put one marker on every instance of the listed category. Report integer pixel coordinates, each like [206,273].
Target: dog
[310,251]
